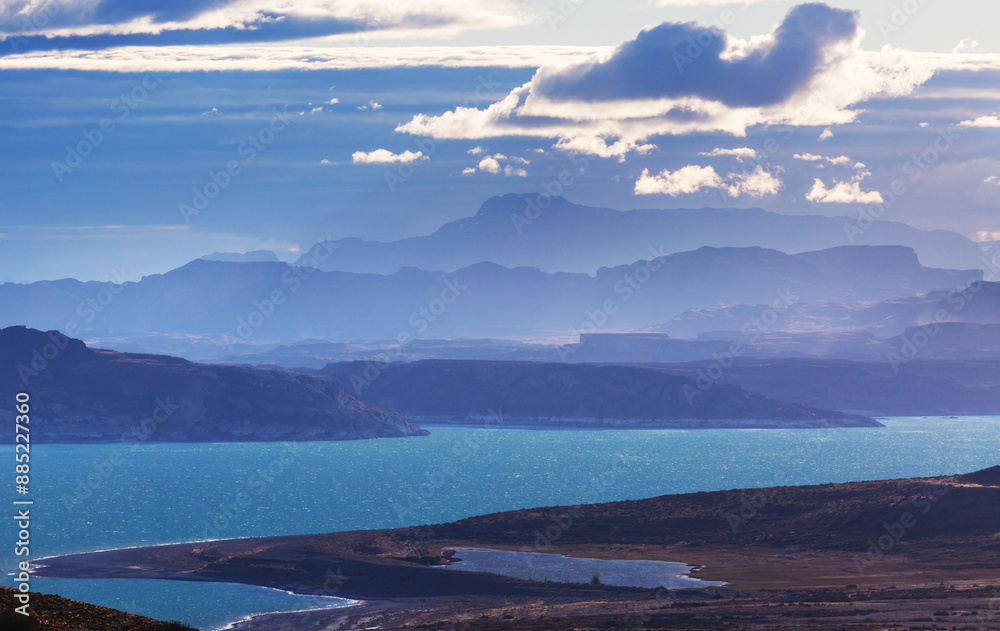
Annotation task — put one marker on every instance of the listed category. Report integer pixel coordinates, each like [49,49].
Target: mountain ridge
[516,230]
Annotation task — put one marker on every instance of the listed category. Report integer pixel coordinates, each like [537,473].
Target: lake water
[556,568]
[91,497]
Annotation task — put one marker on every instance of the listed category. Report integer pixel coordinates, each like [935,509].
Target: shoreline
[597,424]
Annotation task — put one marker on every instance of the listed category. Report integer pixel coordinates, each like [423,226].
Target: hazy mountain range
[521,230]
[254,302]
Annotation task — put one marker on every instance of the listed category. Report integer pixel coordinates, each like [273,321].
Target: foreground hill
[514,231]
[79,394]
[254,302]
[54,613]
[546,394]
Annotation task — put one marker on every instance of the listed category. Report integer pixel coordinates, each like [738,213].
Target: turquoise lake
[92,497]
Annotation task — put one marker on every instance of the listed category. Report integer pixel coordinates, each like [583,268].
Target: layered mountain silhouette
[970,303]
[278,302]
[495,393]
[79,394]
[556,235]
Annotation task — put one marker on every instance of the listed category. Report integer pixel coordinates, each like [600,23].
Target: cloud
[495,165]
[285,57]
[740,153]
[370,105]
[475,151]
[982,121]
[843,161]
[694,178]
[98,24]
[384,156]
[325,161]
[967,46]
[992,179]
[842,193]
[661,63]
[827,133]
[212,112]
[683,78]
[755,184]
[333,101]
[684,181]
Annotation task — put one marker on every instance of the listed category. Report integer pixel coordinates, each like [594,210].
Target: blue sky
[373,120]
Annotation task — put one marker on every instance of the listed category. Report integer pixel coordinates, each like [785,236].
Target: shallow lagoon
[536,566]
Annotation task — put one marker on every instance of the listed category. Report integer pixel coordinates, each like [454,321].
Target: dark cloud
[677,60]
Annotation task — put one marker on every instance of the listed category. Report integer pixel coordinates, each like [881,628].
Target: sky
[136,136]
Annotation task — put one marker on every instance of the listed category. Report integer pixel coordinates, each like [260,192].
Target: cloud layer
[98,24]
[678,79]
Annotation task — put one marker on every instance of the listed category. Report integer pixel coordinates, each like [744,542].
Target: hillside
[545,393]
[88,395]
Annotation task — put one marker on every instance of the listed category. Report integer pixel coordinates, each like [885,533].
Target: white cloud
[489,165]
[316,109]
[694,178]
[475,151]
[739,153]
[755,184]
[370,105]
[827,133]
[842,161]
[325,161]
[494,165]
[212,112]
[925,124]
[842,193]
[967,46]
[684,181]
[333,101]
[982,121]
[384,156]
[993,179]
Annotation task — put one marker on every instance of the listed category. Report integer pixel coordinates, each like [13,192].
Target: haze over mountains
[278,302]
[521,230]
